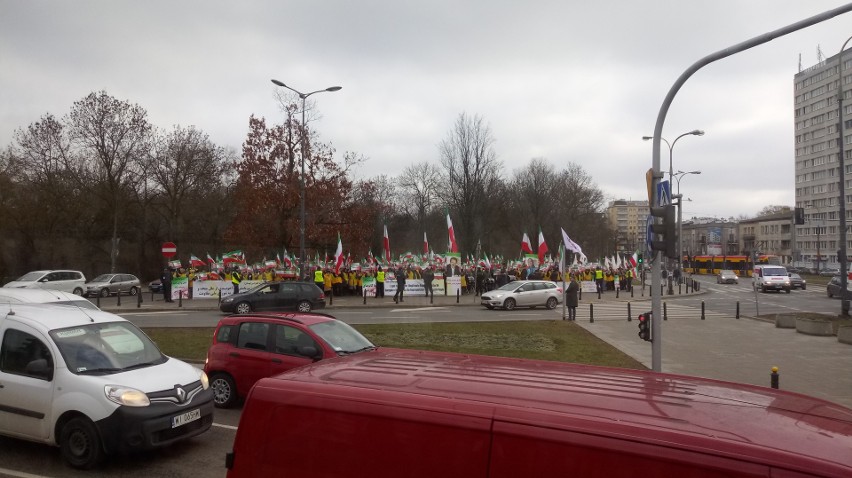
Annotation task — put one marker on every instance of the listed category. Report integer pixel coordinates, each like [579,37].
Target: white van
[770,277]
[93,384]
[44,296]
[64,280]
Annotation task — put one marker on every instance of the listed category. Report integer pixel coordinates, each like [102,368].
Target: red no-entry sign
[169,249]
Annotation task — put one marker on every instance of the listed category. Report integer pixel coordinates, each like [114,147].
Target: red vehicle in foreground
[249,347]
[389,413]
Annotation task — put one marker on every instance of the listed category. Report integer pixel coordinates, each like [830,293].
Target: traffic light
[645,326]
[640,258]
[666,231]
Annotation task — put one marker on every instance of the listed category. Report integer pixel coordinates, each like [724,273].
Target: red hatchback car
[249,347]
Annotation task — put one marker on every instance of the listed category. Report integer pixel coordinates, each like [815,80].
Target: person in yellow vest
[327,280]
[599,279]
[236,278]
[380,283]
[319,280]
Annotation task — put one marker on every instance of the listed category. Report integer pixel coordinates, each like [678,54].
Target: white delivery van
[93,384]
[770,277]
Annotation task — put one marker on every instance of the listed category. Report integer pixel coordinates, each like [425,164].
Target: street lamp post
[695,132]
[304,142]
[678,176]
[844,302]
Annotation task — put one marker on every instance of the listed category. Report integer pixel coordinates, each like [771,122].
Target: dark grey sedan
[301,296]
[796,281]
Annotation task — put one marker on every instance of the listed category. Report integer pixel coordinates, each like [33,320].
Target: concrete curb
[844,334]
[814,327]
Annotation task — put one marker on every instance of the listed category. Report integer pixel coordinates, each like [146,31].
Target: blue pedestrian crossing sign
[664,193]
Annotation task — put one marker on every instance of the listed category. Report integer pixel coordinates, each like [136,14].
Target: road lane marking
[20,474]
[227,427]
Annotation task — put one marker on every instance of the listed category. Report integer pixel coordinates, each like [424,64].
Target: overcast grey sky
[562,80]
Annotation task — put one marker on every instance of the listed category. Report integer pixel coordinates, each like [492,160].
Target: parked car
[43,296]
[524,293]
[727,277]
[796,281]
[301,296]
[105,285]
[64,280]
[833,287]
[155,285]
[249,347]
[93,384]
[829,272]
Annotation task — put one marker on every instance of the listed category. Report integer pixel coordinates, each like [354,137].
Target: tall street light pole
[844,302]
[678,176]
[304,141]
[695,132]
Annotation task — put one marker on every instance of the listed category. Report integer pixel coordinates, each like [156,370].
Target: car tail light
[322,295]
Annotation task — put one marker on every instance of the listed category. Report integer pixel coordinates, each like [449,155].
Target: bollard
[180,298]
[643,290]
[331,297]
[679,286]
[773,378]
[220,296]
[458,295]
[99,301]
[599,293]
[631,291]
[119,299]
[592,313]
[665,312]
[662,289]
[738,310]
[139,300]
[365,296]
[152,296]
[629,316]
[616,292]
[702,310]
[580,294]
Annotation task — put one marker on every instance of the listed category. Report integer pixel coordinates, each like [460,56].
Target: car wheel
[80,443]
[224,390]
[804,287]
[787,290]
[509,304]
[78,291]
[104,292]
[829,293]
[304,306]
[243,308]
[551,303]
[134,290]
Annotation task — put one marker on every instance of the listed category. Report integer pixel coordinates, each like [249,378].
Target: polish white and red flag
[526,245]
[387,245]
[454,246]
[338,255]
[542,246]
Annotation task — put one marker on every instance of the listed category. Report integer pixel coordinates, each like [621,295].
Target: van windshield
[106,348]
[774,271]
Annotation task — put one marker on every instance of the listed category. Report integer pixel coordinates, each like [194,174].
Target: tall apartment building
[818,134]
[628,220]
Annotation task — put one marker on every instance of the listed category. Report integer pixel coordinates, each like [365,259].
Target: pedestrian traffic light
[665,230]
[645,326]
[639,258]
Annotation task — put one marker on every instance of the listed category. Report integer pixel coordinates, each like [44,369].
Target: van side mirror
[39,368]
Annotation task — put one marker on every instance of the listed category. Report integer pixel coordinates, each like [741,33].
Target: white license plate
[186,418]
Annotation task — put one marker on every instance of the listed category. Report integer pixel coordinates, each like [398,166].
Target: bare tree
[418,191]
[471,170]
[112,138]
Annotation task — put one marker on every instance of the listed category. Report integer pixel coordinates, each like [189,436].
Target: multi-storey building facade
[819,133]
[709,236]
[628,220]
[771,234]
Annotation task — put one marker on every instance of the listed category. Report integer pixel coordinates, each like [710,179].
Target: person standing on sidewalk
[166,281]
[572,299]
[428,277]
[380,283]
[400,285]
[236,278]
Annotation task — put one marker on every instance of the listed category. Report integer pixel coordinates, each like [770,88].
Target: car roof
[763,424]
[306,318]
[37,296]
[49,317]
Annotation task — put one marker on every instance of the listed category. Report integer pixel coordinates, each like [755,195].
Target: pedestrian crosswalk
[606,311]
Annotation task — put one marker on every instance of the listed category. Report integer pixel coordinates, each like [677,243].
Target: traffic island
[844,334]
[785,321]
[819,327]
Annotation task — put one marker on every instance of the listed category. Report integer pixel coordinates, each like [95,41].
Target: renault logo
[181,394]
